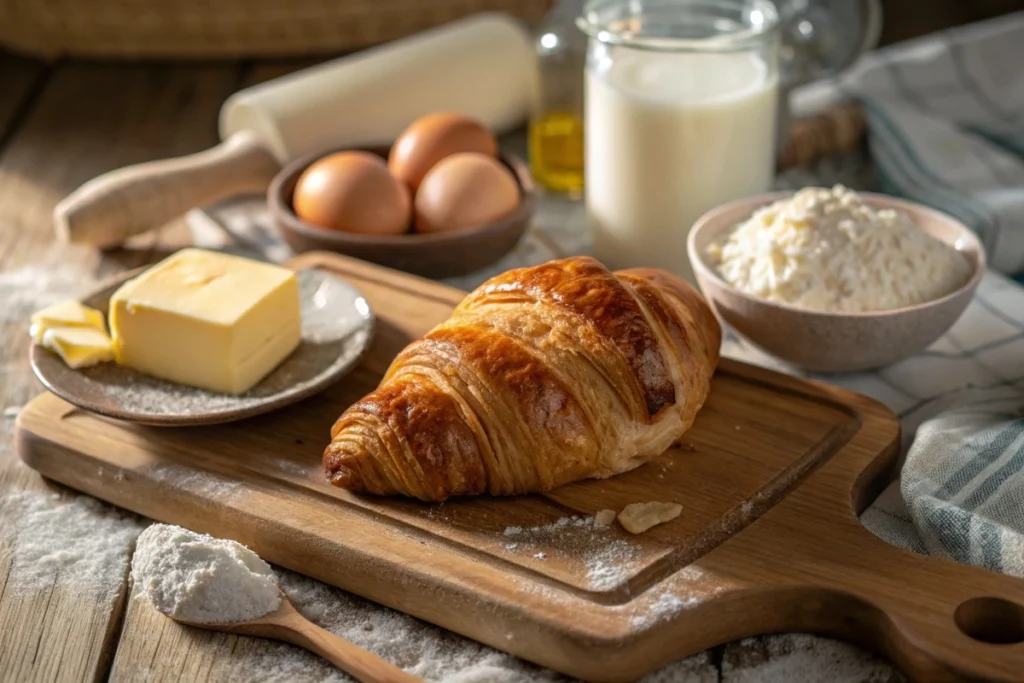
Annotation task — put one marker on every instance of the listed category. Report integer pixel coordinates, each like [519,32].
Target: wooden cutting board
[771,479]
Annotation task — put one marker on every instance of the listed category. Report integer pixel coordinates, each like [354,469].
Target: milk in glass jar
[680,107]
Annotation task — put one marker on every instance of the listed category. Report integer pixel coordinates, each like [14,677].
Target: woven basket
[204,29]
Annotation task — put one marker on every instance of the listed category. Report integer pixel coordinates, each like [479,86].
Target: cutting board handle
[939,621]
[109,209]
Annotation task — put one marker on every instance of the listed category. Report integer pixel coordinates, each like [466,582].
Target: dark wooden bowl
[434,255]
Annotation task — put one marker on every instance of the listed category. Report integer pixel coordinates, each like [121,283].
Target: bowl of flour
[831,280]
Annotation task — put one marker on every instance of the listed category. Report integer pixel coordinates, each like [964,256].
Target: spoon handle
[355,661]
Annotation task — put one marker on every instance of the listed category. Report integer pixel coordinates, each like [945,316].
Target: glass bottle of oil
[556,124]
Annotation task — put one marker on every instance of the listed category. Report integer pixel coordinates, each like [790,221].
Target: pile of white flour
[198,578]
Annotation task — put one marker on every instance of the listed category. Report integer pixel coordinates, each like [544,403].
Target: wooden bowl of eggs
[442,201]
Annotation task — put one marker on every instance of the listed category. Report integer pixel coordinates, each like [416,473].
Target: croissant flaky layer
[540,377]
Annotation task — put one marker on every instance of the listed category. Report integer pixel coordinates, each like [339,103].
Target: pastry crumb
[604,518]
[637,518]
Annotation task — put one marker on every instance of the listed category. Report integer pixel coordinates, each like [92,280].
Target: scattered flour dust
[26,290]
[785,658]
[610,565]
[686,588]
[552,530]
[206,484]
[420,648]
[699,668]
[667,603]
[607,560]
[23,291]
[73,541]
[202,579]
[664,606]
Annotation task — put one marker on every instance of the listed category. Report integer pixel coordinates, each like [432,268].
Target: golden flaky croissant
[540,377]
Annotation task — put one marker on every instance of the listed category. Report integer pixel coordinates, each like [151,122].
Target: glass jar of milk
[680,102]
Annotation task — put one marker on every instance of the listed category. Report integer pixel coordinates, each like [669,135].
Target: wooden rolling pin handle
[109,209]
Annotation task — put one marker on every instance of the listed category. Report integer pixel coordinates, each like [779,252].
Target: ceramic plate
[337,328]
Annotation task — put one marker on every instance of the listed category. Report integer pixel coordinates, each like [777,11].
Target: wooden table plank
[154,649]
[87,119]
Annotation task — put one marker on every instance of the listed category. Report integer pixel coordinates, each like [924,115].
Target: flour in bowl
[827,250]
[198,578]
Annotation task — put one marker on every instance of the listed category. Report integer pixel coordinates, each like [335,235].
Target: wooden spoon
[287,624]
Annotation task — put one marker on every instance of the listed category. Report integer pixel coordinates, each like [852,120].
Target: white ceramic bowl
[834,342]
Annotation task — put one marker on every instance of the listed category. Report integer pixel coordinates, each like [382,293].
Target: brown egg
[465,190]
[433,137]
[353,192]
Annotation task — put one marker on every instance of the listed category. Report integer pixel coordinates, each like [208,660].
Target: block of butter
[68,313]
[207,319]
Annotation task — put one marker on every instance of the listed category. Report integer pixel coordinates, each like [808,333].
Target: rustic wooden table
[59,126]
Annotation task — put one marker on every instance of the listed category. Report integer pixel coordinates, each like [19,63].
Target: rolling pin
[482,66]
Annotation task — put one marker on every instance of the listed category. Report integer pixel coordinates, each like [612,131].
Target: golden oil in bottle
[556,151]
[556,122]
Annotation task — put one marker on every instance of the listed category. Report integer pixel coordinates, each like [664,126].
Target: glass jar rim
[598,25]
